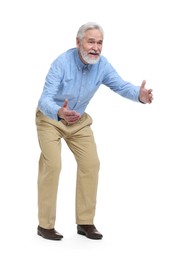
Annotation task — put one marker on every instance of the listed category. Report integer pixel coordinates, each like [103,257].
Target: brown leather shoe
[51,234]
[89,231]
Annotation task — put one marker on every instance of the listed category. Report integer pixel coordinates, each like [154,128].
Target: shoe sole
[55,239]
[84,234]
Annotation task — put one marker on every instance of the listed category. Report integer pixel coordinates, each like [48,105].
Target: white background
[136,143]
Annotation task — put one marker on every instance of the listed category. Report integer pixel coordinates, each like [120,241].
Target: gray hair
[88,26]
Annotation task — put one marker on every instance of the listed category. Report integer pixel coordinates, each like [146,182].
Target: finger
[65,105]
[150,91]
[73,119]
[143,84]
[71,113]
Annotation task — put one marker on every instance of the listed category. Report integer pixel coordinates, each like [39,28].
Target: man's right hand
[70,116]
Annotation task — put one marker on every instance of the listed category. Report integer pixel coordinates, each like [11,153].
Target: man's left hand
[145,95]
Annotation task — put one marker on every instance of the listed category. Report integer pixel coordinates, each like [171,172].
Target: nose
[95,46]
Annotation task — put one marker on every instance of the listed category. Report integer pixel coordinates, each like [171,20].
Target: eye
[92,42]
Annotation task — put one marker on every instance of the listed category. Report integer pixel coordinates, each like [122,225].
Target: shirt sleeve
[115,82]
[47,104]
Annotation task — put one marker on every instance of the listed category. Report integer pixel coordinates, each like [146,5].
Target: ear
[77,42]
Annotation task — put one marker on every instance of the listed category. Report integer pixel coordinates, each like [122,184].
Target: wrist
[141,100]
[59,114]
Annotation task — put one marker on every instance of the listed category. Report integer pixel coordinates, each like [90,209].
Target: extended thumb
[65,105]
[143,84]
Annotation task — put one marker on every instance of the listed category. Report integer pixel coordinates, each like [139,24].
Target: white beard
[87,59]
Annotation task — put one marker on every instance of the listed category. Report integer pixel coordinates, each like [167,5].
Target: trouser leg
[49,170]
[84,148]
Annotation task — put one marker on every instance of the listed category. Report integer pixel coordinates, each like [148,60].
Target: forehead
[93,34]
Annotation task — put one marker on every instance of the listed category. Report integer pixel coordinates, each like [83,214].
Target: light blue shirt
[69,78]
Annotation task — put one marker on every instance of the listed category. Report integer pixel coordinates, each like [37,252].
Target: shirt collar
[81,66]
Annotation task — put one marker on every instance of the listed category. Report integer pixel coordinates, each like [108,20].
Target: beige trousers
[79,138]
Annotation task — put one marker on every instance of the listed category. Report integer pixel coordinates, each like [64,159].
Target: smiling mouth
[93,53]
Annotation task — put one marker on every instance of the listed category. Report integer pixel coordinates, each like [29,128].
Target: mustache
[94,52]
